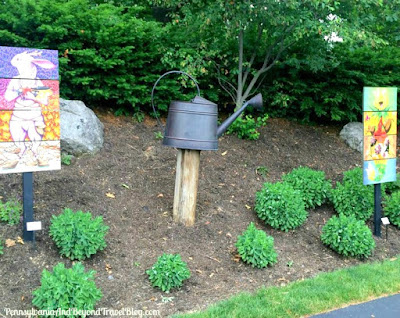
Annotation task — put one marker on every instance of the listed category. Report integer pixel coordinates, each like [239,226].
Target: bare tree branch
[253,56]
[226,89]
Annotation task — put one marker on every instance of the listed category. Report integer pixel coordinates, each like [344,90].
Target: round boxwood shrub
[77,235]
[348,236]
[392,208]
[168,272]
[312,184]
[280,206]
[67,289]
[352,197]
[255,247]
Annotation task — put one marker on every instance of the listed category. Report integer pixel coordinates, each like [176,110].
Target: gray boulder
[81,130]
[352,134]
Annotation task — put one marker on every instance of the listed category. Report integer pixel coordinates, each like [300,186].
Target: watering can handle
[165,74]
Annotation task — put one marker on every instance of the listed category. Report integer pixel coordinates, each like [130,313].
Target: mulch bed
[140,216]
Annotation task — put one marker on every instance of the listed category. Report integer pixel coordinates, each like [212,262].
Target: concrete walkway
[386,307]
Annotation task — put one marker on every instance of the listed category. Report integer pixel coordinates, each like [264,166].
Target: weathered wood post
[186,182]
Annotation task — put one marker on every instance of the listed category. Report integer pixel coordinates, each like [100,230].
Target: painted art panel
[380,99]
[24,95]
[374,150]
[45,126]
[380,124]
[379,171]
[26,63]
[29,156]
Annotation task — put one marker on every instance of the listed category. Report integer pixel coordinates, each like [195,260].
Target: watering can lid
[200,100]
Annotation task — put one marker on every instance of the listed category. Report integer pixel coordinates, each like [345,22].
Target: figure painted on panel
[27,93]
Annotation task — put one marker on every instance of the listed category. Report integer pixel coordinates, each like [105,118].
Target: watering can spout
[256,102]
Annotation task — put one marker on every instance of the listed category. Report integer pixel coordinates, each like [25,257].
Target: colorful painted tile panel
[376,150]
[29,110]
[45,126]
[379,171]
[380,99]
[26,63]
[29,156]
[24,95]
[380,124]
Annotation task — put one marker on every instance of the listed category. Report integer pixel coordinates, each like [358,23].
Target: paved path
[386,307]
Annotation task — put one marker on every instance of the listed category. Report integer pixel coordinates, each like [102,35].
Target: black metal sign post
[27,185]
[378,210]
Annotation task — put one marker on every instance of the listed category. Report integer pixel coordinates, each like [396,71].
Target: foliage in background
[280,206]
[352,197]
[246,128]
[391,208]
[10,211]
[67,288]
[299,91]
[312,185]
[255,247]
[391,187]
[348,236]
[112,52]
[109,55]
[168,272]
[77,235]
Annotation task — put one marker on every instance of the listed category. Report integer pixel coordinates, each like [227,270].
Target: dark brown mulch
[140,217]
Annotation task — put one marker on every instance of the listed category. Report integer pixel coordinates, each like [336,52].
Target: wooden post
[187,177]
[27,185]
[378,210]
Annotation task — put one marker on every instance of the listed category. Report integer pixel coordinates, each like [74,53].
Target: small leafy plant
[352,197]
[312,184]
[280,206]
[255,247]
[77,235]
[168,272]
[392,208]
[66,289]
[246,128]
[348,236]
[138,116]
[158,135]
[66,159]
[1,248]
[10,212]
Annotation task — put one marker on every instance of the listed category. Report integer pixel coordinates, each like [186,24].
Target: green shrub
[1,248]
[77,235]
[168,272]
[352,197]
[67,289]
[280,206]
[391,187]
[348,236]
[256,248]
[392,208]
[312,184]
[10,212]
[246,128]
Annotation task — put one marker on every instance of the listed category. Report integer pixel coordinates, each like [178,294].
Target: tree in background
[245,39]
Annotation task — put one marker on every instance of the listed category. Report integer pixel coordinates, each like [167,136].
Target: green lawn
[322,293]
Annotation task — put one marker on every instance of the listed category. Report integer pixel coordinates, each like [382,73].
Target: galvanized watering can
[193,124]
